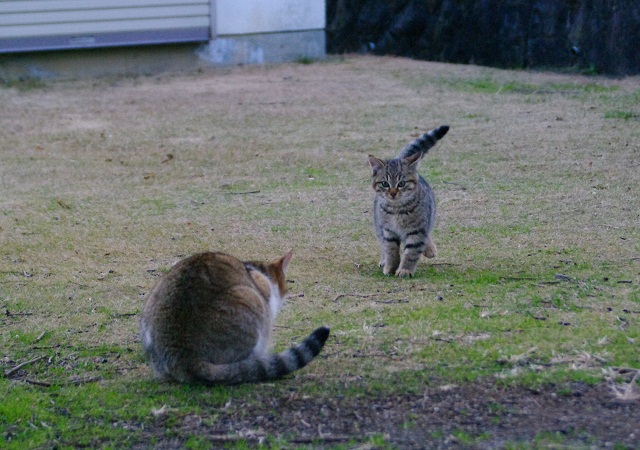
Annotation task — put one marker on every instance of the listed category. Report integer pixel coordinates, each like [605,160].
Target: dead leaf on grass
[624,392]
[62,204]
[473,337]
[162,413]
[581,361]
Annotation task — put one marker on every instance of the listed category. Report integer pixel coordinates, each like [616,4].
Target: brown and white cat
[404,207]
[210,320]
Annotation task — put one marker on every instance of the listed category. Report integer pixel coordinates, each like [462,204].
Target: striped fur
[404,206]
[261,367]
[423,143]
[210,319]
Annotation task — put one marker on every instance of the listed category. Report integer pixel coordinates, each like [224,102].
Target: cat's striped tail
[270,367]
[423,143]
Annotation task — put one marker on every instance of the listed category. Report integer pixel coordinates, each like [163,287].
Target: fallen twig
[117,315]
[625,370]
[38,383]
[598,358]
[513,278]
[41,336]
[371,355]
[324,439]
[9,313]
[562,277]
[244,192]
[10,372]
[85,380]
[225,438]
[353,295]
[45,347]
[386,302]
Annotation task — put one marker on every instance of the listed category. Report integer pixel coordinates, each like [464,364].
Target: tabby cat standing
[404,206]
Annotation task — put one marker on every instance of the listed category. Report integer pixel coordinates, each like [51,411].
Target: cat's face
[394,179]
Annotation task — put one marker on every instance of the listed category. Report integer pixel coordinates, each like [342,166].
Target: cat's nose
[393,193]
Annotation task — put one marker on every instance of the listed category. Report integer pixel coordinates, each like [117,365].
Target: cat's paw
[402,273]
[389,270]
[431,251]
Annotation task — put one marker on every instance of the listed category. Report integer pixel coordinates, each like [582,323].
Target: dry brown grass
[106,183]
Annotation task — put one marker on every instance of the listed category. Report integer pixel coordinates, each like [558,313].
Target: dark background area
[593,36]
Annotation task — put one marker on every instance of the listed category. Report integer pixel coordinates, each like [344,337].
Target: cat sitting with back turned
[210,320]
[404,207]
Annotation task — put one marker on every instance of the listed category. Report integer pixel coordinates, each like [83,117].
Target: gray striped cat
[404,208]
[210,320]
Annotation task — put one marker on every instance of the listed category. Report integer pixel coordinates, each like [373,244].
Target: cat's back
[197,283]
[206,301]
[215,271]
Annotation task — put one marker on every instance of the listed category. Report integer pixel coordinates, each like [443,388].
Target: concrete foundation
[155,59]
[65,64]
[265,48]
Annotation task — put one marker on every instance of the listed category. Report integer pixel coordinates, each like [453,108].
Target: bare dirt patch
[478,415]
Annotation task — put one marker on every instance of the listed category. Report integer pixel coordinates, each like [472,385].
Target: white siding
[268,16]
[27,25]
[49,24]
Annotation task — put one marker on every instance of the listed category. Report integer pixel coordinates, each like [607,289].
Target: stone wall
[600,36]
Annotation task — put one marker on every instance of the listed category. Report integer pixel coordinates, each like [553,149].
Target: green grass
[306,60]
[23,85]
[536,281]
[625,115]
[490,85]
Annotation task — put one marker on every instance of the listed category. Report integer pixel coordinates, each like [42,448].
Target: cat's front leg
[390,254]
[410,257]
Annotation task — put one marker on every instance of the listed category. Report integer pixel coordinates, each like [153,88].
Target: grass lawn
[105,183]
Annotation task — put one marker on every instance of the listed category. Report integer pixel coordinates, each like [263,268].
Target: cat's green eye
[384,184]
[402,184]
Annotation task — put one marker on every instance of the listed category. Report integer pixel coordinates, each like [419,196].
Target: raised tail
[423,143]
[270,367]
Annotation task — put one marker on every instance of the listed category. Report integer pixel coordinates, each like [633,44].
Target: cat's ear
[284,261]
[414,159]
[376,164]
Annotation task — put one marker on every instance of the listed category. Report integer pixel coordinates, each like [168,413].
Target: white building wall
[228,31]
[234,17]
